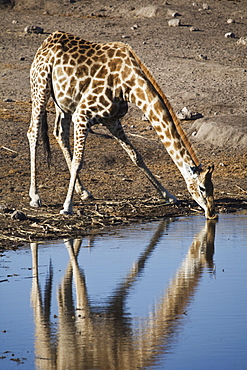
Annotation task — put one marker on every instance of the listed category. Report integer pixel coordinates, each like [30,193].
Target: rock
[193,29]
[18,215]
[8,100]
[150,11]
[80,212]
[229,35]
[174,23]
[202,57]
[134,27]
[147,11]
[228,131]
[186,114]
[33,29]
[172,13]
[230,21]
[5,209]
[242,41]
[205,6]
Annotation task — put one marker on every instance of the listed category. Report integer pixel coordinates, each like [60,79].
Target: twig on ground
[241,188]
[10,150]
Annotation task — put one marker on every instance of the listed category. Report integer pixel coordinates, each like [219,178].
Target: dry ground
[202,70]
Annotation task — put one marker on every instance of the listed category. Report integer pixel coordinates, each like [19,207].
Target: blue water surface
[162,295]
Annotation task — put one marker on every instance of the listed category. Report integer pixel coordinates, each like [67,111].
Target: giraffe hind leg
[117,131]
[62,135]
[32,134]
[40,93]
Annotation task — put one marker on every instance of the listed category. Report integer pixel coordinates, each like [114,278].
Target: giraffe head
[201,188]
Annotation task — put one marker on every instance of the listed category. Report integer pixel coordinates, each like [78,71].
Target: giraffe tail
[45,138]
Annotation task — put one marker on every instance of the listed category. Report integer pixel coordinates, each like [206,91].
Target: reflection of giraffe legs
[45,352]
[102,337]
[73,248]
[117,131]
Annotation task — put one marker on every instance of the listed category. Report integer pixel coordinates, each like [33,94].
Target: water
[160,295]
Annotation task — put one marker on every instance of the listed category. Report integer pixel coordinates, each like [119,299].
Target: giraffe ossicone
[93,83]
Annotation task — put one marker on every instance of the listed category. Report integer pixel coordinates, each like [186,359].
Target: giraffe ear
[208,172]
[211,169]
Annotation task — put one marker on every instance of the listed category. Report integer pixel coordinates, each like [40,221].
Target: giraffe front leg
[80,135]
[117,130]
[32,135]
[62,135]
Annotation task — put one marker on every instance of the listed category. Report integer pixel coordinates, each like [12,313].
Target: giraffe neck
[164,124]
[149,97]
[172,140]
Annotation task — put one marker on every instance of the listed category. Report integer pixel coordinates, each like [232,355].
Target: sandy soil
[201,69]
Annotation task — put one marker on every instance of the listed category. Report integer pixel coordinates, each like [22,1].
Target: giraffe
[93,83]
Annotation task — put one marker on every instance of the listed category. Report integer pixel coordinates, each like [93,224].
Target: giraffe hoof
[66,213]
[86,195]
[173,200]
[35,203]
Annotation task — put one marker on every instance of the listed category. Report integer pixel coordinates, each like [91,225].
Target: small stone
[186,114]
[229,35]
[172,13]
[8,100]
[22,58]
[242,41]
[202,57]
[205,6]
[18,215]
[33,29]
[15,21]
[134,27]
[174,23]
[80,212]
[230,21]
[193,29]
[4,209]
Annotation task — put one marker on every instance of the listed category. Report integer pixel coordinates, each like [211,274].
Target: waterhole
[160,295]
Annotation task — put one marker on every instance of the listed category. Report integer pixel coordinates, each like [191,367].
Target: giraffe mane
[175,119]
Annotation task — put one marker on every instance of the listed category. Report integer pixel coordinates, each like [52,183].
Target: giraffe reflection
[103,337]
